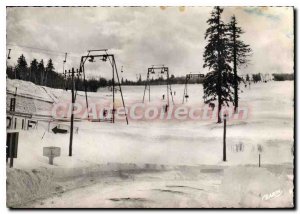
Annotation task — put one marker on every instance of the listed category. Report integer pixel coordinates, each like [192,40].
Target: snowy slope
[270,124]
[167,145]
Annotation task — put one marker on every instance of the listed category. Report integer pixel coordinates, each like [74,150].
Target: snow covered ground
[167,144]
[185,187]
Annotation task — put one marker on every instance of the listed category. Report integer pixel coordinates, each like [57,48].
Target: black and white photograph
[150,107]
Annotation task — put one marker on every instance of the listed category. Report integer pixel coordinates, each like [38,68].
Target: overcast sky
[144,36]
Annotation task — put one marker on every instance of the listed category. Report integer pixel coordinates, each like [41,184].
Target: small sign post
[51,152]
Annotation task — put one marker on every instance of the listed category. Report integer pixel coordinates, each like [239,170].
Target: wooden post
[149,92]
[224,139]
[11,163]
[51,157]
[11,153]
[72,115]
[12,108]
[113,90]
[168,90]
[51,160]
[146,86]
[260,150]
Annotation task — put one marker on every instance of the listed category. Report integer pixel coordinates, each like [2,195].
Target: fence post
[72,115]
[224,139]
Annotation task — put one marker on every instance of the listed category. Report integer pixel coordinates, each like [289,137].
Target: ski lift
[91,59]
[122,69]
[104,58]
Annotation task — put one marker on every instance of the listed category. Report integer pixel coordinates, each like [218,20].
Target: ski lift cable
[43,53]
[39,52]
[41,49]
[135,67]
[48,51]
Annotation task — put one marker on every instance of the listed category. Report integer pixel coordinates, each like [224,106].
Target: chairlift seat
[91,59]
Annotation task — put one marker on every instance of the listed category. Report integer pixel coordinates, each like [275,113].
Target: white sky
[144,36]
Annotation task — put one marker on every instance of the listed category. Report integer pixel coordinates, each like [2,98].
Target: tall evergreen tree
[41,72]
[239,53]
[34,70]
[49,76]
[10,72]
[21,68]
[216,58]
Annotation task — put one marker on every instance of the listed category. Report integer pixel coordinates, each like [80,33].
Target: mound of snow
[26,88]
[26,185]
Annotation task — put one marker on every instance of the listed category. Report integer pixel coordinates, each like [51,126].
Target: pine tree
[41,72]
[239,53]
[49,73]
[217,83]
[21,68]
[34,70]
[10,72]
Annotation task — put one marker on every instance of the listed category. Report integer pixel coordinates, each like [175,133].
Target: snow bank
[23,186]
[26,88]
[26,186]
